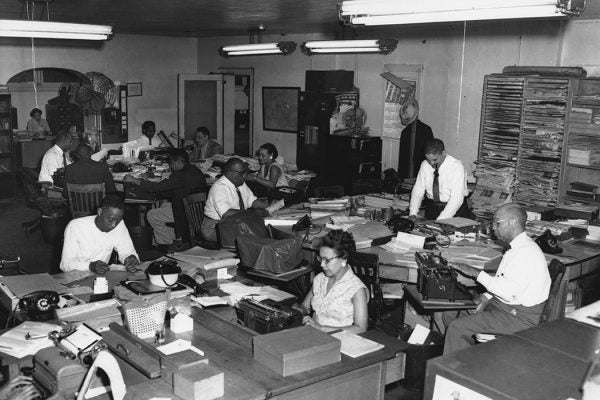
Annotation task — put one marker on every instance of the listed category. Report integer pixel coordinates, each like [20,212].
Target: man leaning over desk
[227,196]
[441,185]
[89,241]
[515,295]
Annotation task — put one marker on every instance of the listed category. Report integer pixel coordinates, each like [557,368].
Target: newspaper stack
[494,187]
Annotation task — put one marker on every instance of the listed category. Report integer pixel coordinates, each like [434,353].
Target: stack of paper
[14,343]
[339,204]
[356,346]
[404,243]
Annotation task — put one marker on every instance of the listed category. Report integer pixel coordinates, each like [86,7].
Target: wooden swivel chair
[193,205]
[85,199]
[556,269]
[365,267]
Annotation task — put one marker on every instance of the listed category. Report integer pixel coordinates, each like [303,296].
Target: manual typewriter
[267,316]
[437,280]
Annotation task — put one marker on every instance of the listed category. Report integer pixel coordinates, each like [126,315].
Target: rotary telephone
[39,305]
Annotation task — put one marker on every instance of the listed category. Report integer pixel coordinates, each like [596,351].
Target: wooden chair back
[557,271]
[85,199]
[193,205]
[365,267]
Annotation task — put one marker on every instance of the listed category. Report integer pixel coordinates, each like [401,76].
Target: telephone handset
[39,305]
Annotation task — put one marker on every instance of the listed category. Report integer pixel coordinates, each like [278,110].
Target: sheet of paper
[177,346]
[278,205]
[117,267]
[419,335]
[209,301]
[354,345]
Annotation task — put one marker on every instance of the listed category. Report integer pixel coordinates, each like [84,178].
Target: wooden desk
[546,362]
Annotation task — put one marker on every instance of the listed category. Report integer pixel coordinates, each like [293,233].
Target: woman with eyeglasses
[271,175]
[338,298]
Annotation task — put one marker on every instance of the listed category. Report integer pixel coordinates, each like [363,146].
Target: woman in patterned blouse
[338,297]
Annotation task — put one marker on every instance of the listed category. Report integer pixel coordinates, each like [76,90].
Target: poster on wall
[280,108]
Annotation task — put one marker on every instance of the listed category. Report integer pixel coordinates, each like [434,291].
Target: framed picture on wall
[134,89]
[280,108]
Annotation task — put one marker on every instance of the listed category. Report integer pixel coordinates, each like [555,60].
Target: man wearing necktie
[229,195]
[441,185]
[515,295]
[412,140]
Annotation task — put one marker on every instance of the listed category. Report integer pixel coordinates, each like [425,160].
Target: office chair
[556,269]
[193,205]
[365,267]
[84,199]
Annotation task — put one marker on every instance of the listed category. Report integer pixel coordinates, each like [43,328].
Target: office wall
[452,85]
[154,61]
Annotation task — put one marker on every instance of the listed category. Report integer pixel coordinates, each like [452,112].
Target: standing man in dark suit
[412,140]
[185,179]
[205,147]
[87,171]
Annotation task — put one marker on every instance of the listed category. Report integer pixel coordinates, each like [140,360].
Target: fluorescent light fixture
[53,30]
[384,46]
[392,12]
[284,48]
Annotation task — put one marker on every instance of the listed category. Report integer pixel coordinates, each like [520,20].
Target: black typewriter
[437,280]
[267,316]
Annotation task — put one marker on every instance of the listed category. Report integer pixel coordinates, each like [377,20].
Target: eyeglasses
[497,221]
[326,260]
[243,173]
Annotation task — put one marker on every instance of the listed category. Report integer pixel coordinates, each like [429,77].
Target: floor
[37,257]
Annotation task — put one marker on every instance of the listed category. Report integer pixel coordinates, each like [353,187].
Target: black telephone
[399,224]
[39,305]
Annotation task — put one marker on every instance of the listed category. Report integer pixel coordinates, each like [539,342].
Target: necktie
[64,160]
[242,207]
[150,141]
[505,248]
[436,185]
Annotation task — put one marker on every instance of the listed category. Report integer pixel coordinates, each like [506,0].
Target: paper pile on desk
[385,201]
[478,257]
[344,222]
[198,260]
[237,291]
[404,243]
[334,205]
[14,343]
[365,234]
[356,346]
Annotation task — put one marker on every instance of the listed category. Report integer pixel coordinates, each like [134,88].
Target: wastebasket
[417,356]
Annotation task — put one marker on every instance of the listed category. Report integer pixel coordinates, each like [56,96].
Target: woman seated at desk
[337,297]
[271,175]
[37,125]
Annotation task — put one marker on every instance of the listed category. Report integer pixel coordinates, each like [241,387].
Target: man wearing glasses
[515,296]
[228,195]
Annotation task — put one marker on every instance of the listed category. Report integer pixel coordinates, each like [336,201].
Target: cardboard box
[296,350]
[173,363]
[199,382]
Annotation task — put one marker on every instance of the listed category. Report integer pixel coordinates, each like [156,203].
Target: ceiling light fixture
[258,48]
[53,30]
[383,46]
[284,48]
[395,12]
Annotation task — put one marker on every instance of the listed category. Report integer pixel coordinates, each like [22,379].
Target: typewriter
[267,316]
[437,280]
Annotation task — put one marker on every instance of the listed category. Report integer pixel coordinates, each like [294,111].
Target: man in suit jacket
[412,140]
[204,148]
[87,171]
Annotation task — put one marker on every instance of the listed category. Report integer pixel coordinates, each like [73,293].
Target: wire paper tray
[146,316]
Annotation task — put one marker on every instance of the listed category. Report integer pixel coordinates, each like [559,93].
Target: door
[206,100]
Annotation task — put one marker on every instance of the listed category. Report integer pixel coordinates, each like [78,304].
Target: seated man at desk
[441,185]
[227,196]
[204,147]
[90,241]
[516,295]
[55,158]
[185,179]
[87,171]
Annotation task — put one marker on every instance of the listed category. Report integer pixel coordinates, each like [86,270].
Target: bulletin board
[280,108]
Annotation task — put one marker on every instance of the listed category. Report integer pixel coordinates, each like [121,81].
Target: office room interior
[451,60]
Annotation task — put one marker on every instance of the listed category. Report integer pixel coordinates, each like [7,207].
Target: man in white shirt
[229,195]
[89,241]
[57,157]
[441,184]
[515,295]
